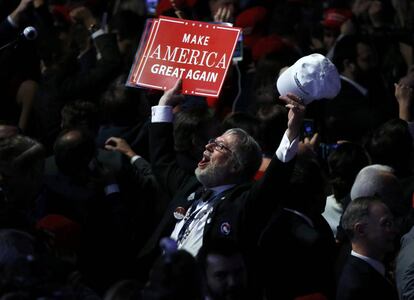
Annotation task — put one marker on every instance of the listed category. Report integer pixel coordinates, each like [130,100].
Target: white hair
[373,180]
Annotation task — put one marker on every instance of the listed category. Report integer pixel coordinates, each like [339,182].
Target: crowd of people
[114,192]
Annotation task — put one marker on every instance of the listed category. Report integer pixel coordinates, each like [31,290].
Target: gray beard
[213,175]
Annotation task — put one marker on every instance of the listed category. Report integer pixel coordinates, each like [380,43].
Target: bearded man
[222,200]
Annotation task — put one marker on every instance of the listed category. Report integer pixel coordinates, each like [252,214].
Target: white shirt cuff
[161,114]
[134,158]
[97,33]
[287,150]
[12,23]
[111,189]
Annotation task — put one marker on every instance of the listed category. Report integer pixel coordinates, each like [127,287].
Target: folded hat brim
[288,83]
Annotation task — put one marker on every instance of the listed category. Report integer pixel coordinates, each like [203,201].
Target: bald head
[74,150]
[379,180]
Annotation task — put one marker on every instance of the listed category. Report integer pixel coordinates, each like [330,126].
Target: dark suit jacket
[243,210]
[404,269]
[296,258]
[360,281]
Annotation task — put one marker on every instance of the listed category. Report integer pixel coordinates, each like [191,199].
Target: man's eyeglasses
[218,146]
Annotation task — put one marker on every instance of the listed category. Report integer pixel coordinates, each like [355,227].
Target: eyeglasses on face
[218,145]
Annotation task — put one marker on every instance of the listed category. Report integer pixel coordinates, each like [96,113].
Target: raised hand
[224,14]
[404,95]
[171,96]
[295,115]
[84,16]
[119,145]
[309,146]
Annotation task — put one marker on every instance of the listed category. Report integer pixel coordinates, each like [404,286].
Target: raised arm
[163,156]
[404,95]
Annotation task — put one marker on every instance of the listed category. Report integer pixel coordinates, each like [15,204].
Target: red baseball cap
[335,17]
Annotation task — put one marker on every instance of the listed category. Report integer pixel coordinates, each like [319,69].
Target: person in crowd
[128,27]
[380,180]
[127,289]
[20,67]
[344,163]
[67,75]
[21,179]
[391,144]
[86,50]
[85,191]
[353,113]
[125,113]
[72,185]
[297,248]
[370,226]
[404,265]
[85,116]
[374,180]
[224,269]
[403,93]
[233,207]
[80,114]
[175,275]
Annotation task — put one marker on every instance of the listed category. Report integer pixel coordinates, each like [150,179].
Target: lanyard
[184,231]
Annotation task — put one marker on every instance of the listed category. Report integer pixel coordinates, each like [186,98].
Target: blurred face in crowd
[217,164]
[365,57]
[329,37]
[379,230]
[226,277]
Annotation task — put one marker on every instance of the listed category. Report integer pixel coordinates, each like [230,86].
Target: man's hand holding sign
[197,52]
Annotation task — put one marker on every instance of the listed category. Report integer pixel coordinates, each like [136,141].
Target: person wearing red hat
[332,23]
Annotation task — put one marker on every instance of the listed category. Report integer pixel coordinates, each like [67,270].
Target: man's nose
[210,146]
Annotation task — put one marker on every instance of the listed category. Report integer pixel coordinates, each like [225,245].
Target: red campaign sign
[198,52]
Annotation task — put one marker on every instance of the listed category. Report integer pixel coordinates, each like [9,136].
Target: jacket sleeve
[163,158]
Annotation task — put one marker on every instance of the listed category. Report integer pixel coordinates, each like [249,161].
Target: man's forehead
[226,137]
[220,262]
[379,210]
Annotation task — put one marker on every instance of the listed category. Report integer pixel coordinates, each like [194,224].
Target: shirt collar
[221,188]
[356,85]
[377,265]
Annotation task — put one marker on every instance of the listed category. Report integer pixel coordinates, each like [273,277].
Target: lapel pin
[179,213]
[225,228]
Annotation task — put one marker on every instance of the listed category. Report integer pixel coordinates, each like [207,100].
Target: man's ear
[359,228]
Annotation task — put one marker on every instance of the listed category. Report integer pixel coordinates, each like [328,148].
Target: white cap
[311,78]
